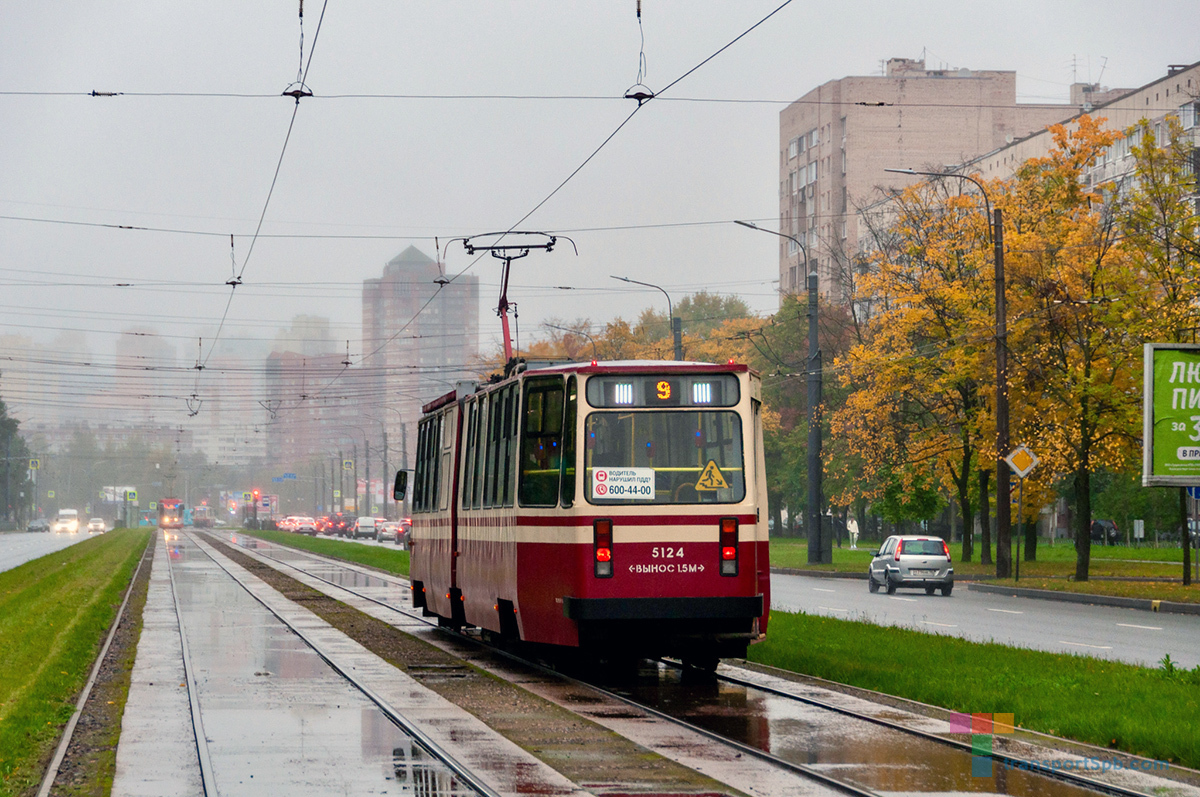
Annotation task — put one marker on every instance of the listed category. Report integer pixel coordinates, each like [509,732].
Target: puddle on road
[278,719]
[849,749]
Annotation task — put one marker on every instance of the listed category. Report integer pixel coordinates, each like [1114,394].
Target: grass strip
[1110,704]
[1122,589]
[1056,562]
[391,560]
[54,612]
[90,764]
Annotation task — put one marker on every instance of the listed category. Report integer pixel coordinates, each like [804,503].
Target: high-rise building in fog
[420,335]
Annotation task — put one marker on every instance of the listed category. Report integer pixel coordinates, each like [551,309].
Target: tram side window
[425,489]
[493,450]
[444,464]
[568,449]
[468,454]
[480,450]
[541,445]
[508,447]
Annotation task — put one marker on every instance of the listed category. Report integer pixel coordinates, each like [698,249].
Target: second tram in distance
[617,508]
[170,513]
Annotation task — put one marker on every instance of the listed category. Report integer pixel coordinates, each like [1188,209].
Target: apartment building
[420,335]
[1176,94]
[836,141]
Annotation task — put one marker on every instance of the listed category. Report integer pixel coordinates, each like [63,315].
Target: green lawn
[393,560]
[54,613]
[1058,560]
[1136,709]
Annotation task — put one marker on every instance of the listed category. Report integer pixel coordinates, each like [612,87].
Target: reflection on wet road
[277,718]
[849,749]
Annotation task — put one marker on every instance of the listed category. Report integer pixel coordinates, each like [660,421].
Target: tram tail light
[602,541]
[729,546]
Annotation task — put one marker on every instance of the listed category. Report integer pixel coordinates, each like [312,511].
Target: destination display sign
[623,483]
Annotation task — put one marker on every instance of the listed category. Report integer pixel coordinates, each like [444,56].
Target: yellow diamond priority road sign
[1022,461]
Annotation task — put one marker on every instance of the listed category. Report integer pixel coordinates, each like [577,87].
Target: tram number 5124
[666,553]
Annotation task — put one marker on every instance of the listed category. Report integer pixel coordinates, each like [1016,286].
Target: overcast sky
[418,168]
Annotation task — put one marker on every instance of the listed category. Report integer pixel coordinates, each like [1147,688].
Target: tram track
[1028,768]
[473,783]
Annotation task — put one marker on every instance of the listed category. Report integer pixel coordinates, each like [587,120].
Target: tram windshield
[664,457]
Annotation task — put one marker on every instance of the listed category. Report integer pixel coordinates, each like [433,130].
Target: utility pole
[369,494]
[676,323]
[1003,499]
[386,472]
[820,542]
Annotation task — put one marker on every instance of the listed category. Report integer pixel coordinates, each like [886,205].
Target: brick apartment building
[836,141]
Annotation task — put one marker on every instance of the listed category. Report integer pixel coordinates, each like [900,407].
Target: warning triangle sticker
[712,478]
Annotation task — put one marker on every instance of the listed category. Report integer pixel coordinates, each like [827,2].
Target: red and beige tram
[614,507]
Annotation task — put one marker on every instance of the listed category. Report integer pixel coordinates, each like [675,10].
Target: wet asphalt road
[20,547]
[1129,635]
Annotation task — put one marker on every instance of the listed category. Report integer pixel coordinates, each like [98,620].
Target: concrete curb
[1145,604]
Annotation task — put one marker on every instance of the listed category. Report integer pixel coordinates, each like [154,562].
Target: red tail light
[602,543]
[899,549]
[946,550]
[729,546]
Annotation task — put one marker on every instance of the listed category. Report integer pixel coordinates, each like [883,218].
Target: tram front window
[670,457]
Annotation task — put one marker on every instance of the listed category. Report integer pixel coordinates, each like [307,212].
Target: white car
[304,525]
[365,527]
[97,524]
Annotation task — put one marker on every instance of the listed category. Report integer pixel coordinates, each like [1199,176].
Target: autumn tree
[914,415]
[1075,304]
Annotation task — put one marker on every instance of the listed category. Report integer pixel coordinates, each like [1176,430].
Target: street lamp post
[586,335]
[676,323]
[820,539]
[1003,507]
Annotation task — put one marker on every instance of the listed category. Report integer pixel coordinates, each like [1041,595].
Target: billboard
[1171,415]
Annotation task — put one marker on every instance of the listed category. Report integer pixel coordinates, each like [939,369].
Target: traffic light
[256,494]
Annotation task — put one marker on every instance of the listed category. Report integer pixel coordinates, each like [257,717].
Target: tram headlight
[602,544]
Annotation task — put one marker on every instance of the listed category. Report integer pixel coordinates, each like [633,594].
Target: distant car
[304,525]
[41,524]
[911,561]
[365,527]
[405,533]
[389,532]
[339,524]
[1105,532]
[97,524]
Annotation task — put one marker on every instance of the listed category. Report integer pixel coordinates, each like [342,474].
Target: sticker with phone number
[635,484]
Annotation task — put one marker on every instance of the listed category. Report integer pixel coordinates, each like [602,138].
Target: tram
[170,513]
[615,508]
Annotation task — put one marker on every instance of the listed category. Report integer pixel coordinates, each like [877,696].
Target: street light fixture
[1003,509]
[579,332]
[676,324]
[820,540]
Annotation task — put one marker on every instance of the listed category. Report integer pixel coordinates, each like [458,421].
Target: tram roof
[609,367]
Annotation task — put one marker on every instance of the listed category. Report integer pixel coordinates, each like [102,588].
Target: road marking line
[943,625]
[910,600]
[1147,627]
[1082,645]
[832,609]
[1005,611]
[818,589]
